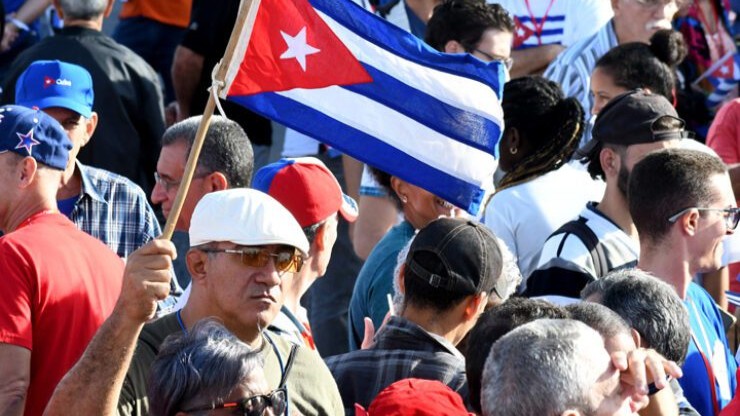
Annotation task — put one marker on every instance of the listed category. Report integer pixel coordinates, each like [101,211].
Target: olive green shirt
[311,388]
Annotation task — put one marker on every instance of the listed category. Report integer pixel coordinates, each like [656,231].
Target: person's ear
[321,237]
[514,140]
[196,261]
[636,337]
[610,161]
[690,222]
[474,306]
[216,181]
[399,277]
[27,171]
[400,187]
[453,46]
[90,125]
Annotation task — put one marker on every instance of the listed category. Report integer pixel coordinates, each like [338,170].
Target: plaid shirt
[402,350]
[115,210]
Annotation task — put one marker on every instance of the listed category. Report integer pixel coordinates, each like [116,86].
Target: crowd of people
[593,281]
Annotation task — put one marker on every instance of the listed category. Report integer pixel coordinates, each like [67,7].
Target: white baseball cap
[246,217]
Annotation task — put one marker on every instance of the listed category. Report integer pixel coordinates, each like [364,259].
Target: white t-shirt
[523,216]
[567,21]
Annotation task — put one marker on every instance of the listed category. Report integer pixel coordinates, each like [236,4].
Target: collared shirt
[402,350]
[572,68]
[115,210]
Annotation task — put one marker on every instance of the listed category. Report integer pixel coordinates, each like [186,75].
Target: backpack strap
[288,365]
[580,229]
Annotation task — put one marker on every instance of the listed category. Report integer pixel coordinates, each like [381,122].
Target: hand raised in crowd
[146,280]
[639,368]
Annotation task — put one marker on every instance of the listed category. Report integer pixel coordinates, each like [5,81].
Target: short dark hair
[226,148]
[651,307]
[666,182]
[465,21]
[638,65]
[492,325]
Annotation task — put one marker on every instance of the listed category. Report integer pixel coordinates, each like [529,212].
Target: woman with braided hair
[539,190]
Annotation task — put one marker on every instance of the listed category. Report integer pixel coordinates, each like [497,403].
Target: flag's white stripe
[408,135]
[451,89]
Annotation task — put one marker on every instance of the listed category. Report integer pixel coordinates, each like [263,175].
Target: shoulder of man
[133,400]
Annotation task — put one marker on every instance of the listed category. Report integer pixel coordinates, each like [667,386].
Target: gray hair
[200,368]
[226,148]
[649,305]
[565,353]
[83,9]
[605,321]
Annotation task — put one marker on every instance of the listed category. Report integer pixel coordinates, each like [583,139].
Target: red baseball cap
[415,397]
[307,188]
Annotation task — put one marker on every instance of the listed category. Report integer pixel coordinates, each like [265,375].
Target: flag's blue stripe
[399,42]
[365,148]
[464,126]
[557,18]
[551,32]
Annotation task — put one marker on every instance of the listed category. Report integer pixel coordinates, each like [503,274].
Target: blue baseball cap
[33,133]
[47,84]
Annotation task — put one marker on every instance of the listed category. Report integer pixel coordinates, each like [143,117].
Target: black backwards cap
[457,256]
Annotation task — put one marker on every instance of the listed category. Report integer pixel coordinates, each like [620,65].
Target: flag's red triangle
[521,32]
[292,47]
[726,70]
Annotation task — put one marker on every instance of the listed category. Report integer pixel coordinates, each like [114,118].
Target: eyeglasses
[507,62]
[169,185]
[732,215]
[253,406]
[286,258]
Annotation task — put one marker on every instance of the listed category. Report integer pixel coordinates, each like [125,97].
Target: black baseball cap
[630,118]
[457,256]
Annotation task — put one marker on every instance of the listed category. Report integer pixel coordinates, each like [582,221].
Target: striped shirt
[566,264]
[572,68]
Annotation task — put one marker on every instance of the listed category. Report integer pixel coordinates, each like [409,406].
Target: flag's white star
[298,48]
[725,70]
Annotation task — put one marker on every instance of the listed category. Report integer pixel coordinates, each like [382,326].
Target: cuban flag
[335,72]
[724,77]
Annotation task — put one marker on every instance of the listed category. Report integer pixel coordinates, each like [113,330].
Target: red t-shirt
[57,286]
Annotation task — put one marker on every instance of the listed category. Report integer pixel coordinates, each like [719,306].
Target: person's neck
[423,9]
[194,312]
[615,207]
[71,184]
[94,24]
[667,264]
[296,287]
[25,209]
[433,322]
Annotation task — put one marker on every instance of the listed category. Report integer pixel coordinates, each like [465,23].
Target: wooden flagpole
[242,27]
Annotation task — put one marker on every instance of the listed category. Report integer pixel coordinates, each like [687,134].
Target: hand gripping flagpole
[239,35]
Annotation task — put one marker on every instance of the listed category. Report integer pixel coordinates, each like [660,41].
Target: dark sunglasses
[286,258]
[253,406]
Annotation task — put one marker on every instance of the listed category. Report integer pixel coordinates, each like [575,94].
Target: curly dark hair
[551,123]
